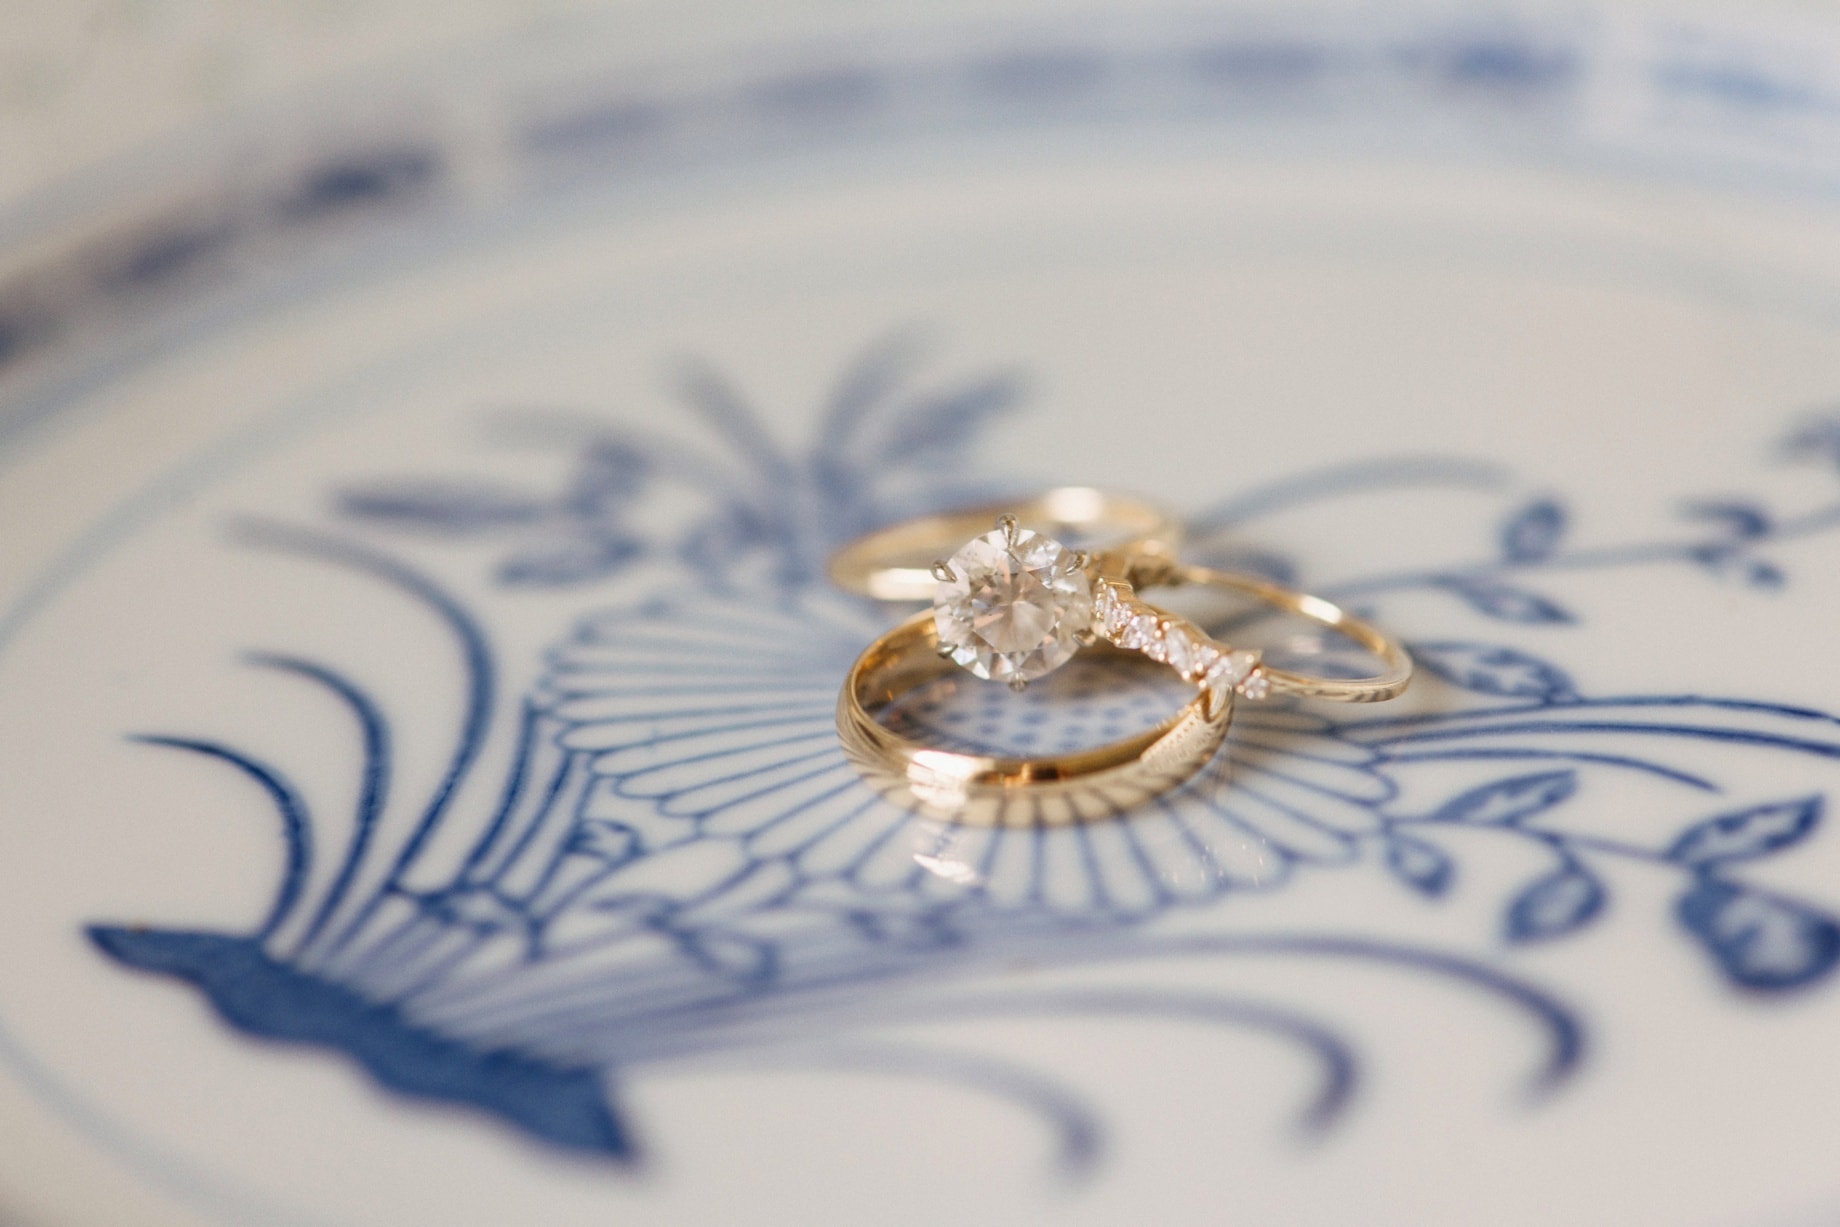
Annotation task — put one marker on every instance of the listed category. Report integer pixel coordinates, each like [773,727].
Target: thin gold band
[896,563]
[1395,662]
[987,790]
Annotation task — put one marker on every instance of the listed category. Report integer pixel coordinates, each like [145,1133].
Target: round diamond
[1015,607]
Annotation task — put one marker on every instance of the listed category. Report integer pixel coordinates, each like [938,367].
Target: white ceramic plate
[421,802]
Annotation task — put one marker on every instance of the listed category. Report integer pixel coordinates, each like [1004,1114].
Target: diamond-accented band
[1121,619]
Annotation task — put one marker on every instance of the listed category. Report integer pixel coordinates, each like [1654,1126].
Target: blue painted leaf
[1817,438]
[1509,801]
[1490,669]
[727,412]
[1419,865]
[865,389]
[1765,575]
[1502,601]
[1744,520]
[1730,561]
[1748,833]
[1562,902]
[1715,556]
[573,560]
[456,508]
[940,428]
[608,476]
[1534,532]
[1761,941]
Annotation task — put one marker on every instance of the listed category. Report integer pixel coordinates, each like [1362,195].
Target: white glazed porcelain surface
[421,804]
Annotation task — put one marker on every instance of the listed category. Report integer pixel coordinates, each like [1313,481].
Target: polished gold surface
[987,790]
[896,563]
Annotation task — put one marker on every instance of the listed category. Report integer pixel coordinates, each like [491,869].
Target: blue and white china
[421,798]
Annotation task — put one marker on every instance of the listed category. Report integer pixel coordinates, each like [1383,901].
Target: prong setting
[1011,603]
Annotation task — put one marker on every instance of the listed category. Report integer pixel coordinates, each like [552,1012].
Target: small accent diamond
[1105,599]
[1205,657]
[1140,632]
[1182,646]
[1232,669]
[1112,608]
[1257,686]
[1224,673]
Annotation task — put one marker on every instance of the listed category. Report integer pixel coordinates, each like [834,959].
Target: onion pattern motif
[679,862]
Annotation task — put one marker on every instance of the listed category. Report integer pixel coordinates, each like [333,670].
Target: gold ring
[896,563]
[1014,604]
[1122,618]
[989,790]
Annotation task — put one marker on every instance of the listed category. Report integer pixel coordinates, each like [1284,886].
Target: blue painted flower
[660,849]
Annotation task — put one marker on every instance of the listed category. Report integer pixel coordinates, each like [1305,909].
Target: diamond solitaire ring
[896,563]
[1014,604]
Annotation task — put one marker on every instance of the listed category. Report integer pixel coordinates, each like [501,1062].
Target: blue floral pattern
[680,860]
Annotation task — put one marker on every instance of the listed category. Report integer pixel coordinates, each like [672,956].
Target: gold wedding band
[896,563]
[989,790]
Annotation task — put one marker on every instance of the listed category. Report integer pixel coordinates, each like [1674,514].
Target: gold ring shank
[986,790]
[896,563]
[1395,662]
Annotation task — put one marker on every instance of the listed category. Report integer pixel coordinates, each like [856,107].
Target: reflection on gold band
[1050,790]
